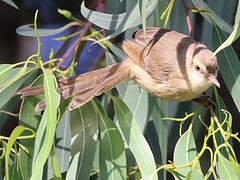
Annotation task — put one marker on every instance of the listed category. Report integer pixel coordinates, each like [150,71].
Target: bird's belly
[179,90]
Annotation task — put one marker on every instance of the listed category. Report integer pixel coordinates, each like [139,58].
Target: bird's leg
[204,100]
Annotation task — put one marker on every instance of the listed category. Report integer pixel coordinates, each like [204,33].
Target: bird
[166,63]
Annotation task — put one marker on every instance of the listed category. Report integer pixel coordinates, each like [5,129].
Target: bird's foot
[204,100]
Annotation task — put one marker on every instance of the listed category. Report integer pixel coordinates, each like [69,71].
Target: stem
[76,43]
[100,7]
[186,8]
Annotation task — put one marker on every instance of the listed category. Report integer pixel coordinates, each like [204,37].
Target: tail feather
[84,86]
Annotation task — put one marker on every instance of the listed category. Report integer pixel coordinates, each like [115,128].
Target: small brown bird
[168,64]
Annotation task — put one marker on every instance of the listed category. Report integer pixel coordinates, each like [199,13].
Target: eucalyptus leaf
[4,68]
[12,139]
[112,159]
[28,117]
[136,99]
[194,174]
[237,16]
[135,140]
[185,152]
[119,22]
[39,142]
[28,30]
[233,36]
[219,21]
[54,164]
[63,141]
[122,86]
[229,65]
[142,6]
[12,84]
[85,127]
[11,3]
[225,169]
[14,171]
[52,103]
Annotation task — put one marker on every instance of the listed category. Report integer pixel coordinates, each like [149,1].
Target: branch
[186,8]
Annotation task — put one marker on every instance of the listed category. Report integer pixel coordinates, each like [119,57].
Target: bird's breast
[180,89]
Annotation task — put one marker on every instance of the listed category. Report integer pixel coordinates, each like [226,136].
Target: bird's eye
[197,68]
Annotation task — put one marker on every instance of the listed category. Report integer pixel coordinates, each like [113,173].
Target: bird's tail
[85,86]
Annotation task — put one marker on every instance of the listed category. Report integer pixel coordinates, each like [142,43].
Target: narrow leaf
[237,16]
[185,151]
[225,169]
[112,152]
[52,102]
[12,139]
[229,65]
[11,3]
[118,22]
[28,30]
[31,119]
[137,100]
[233,36]
[12,84]
[142,6]
[135,140]
[55,164]
[85,125]
[63,141]
[219,21]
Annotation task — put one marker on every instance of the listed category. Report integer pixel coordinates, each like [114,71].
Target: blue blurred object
[48,14]
[88,58]
[90,54]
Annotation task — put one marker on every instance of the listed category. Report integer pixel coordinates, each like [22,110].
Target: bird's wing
[158,52]
[138,47]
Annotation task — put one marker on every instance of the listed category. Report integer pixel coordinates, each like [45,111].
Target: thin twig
[75,44]
[188,18]
[9,113]
[100,7]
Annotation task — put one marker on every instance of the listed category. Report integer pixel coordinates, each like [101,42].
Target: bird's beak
[214,80]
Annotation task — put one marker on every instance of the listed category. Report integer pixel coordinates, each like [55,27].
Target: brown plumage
[168,64]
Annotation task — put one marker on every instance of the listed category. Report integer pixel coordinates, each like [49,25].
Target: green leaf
[112,153]
[14,80]
[194,174]
[14,172]
[229,65]
[60,155]
[39,141]
[12,139]
[84,124]
[28,30]
[237,16]
[185,152]
[52,102]
[135,140]
[219,21]
[63,141]
[11,3]
[142,6]
[4,72]
[111,59]
[232,37]
[118,22]
[136,99]
[55,163]
[160,109]
[225,169]
[28,117]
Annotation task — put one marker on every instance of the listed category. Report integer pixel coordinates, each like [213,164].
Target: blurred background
[14,48]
